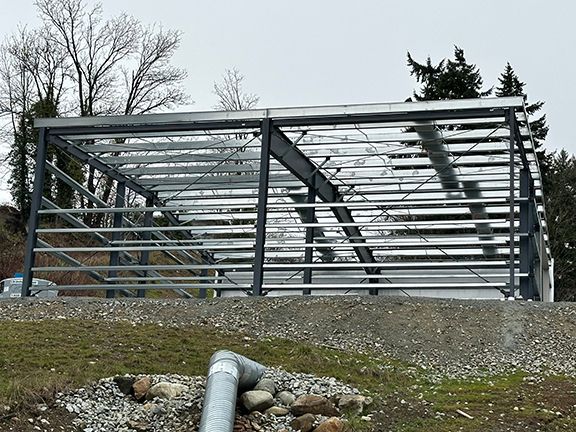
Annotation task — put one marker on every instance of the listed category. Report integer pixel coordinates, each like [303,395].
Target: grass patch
[38,359]
[517,401]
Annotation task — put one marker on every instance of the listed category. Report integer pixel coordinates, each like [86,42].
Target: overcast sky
[317,52]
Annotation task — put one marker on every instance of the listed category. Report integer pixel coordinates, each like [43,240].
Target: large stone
[333,424]
[256,400]
[277,411]
[286,398]
[313,404]
[141,387]
[138,426]
[266,384]
[165,390]
[354,404]
[304,423]
[124,383]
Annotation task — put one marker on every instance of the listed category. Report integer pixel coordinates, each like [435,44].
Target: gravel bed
[450,338]
[102,407]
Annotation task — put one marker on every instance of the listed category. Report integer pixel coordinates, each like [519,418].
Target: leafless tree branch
[230,93]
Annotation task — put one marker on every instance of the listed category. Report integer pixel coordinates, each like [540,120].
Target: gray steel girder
[308,173]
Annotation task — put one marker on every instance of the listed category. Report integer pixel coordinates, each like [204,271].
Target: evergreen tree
[449,79]
[19,159]
[510,85]
[560,208]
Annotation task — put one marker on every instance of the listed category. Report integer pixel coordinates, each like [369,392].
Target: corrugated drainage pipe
[227,373]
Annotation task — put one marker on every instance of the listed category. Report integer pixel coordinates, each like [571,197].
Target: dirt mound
[450,337]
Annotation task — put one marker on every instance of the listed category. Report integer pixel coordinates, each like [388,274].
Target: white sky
[317,52]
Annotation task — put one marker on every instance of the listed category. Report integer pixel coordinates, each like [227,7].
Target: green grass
[70,353]
[38,359]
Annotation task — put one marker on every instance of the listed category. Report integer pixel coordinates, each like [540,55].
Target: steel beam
[103,208]
[99,165]
[350,113]
[300,166]
[71,261]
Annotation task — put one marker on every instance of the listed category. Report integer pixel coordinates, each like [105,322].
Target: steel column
[308,251]
[262,202]
[511,118]
[34,218]
[146,236]
[202,292]
[117,235]
[526,235]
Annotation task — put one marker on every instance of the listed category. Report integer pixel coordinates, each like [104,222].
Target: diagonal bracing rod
[301,167]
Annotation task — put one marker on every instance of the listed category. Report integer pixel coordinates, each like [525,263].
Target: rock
[304,423]
[154,409]
[141,387]
[241,424]
[353,403]
[277,411]
[257,400]
[313,404]
[124,383]
[333,424]
[266,384]
[165,390]
[138,426]
[286,398]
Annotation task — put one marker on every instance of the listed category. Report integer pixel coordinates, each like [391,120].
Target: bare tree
[154,83]
[16,96]
[32,76]
[95,48]
[231,94]
[80,63]
[117,65]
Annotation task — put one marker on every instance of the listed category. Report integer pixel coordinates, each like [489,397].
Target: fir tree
[560,208]
[510,85]
[449,79]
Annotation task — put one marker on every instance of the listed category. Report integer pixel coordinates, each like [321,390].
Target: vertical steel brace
[511,118]
[35,205]
[527,210]
[118,218]
[308,251]
[259,254]
[146,235]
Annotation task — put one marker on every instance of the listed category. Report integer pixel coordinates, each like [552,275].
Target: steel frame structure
[439,198]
